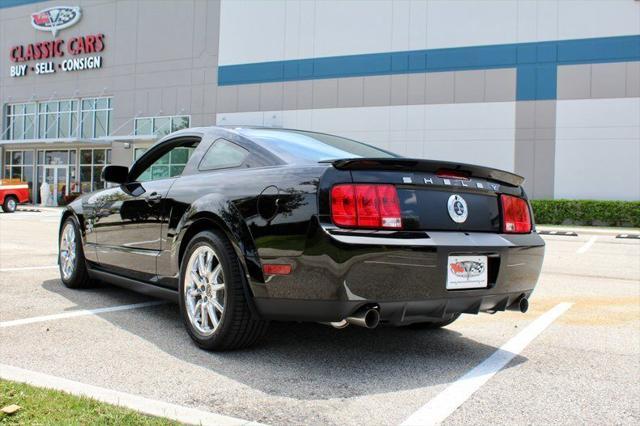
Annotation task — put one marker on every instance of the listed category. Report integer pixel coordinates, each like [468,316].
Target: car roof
[236,129]
[235,134]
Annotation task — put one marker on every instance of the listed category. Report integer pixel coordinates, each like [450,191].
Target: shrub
[587,212]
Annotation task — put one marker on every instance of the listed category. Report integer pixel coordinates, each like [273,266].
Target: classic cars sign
[71,52]
[55,18]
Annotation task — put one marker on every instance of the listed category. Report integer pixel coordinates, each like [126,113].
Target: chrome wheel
[68,251]
[11,204]
[204,290]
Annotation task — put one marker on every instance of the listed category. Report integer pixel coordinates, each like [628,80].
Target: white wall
[598,149]
[259,30]
[478,133]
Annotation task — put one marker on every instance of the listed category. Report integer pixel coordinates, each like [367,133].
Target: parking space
[28,239]
[582,368]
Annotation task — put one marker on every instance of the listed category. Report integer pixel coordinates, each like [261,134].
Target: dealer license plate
[466,272]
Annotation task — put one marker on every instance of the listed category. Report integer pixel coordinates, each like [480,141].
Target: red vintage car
[13,192]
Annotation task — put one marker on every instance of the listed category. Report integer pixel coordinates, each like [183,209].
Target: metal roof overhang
[81,141]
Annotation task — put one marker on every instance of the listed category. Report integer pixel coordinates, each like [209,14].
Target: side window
[170,164]
[223,154]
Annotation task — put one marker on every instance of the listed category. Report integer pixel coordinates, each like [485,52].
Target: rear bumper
[396,313]
[404,275]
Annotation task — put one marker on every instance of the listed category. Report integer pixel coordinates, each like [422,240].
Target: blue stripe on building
[13,3]
[536,63]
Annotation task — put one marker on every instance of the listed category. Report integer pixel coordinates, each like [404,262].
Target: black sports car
[245,225]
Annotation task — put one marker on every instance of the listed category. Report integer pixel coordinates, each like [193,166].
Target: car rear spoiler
[432,166]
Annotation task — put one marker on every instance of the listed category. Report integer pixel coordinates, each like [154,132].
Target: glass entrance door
[56,185]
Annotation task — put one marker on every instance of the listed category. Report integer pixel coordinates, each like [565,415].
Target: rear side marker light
[276,269]
[366,206]
[516,218]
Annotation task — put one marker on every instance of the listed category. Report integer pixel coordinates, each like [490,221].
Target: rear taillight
[365,206]
[515,215]
[343,205]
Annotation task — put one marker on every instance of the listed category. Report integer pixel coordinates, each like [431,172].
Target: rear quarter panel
[265,212]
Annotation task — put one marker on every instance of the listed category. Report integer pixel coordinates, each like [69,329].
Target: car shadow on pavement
[308,361]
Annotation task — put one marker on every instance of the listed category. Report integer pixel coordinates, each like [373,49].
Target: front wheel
[213,303]
[10,204]
[71,261]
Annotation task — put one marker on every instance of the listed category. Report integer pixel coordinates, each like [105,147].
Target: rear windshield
[310,146]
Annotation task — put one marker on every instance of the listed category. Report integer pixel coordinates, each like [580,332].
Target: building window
[58,119]
[160,126]
[137,153]
[21,121]
[92,161]
[19,165]
[95,117]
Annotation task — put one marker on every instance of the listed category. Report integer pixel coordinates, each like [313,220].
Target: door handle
[153,198]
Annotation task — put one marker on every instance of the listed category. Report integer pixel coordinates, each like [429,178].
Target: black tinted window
[297,144]
[223,154]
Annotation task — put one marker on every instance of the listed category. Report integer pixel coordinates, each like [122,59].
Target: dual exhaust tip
[369,317]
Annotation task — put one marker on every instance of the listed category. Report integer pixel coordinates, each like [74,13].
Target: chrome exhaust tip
[337,324]
[522,305]
[367,318]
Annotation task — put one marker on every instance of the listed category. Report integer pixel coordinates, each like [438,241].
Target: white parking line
[122,399]
[587,245]
[78,313]
[445,403]
[28,268]
[21,216]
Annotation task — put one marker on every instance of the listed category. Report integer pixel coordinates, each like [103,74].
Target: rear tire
[71,260]
[212,287]
[10,204]
[432,325]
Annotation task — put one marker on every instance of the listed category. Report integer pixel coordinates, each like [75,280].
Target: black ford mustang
[246,225]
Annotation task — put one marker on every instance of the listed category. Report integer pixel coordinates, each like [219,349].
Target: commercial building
[549,89]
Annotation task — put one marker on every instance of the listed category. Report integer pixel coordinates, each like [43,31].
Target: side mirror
[115,174]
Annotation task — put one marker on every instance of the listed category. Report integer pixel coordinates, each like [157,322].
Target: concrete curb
[561,233]
[562,230]
[629,236]
[138,403]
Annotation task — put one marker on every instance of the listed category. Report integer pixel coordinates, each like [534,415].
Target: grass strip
[39,406]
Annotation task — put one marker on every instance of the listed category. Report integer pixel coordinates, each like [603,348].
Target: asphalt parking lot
[583,368]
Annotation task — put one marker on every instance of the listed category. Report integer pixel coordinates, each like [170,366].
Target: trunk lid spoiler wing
[431,166]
